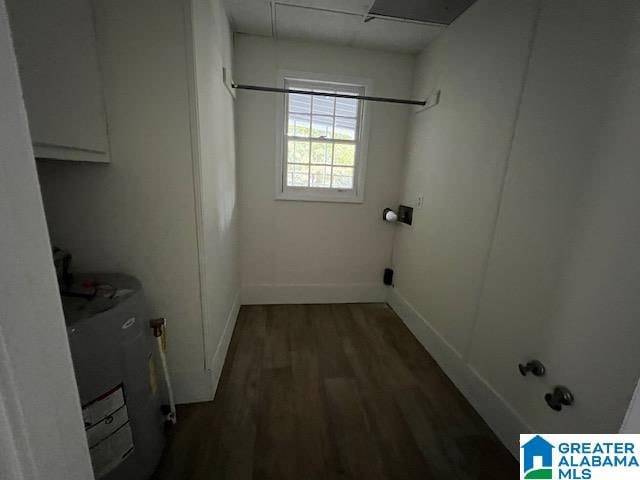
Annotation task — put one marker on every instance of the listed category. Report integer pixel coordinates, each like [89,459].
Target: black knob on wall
[534,366]
[560,397]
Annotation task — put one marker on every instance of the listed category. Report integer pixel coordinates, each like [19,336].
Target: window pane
[322,126]
[298,168]
[297,175]
[320,176]
[299,103]
[342,177]
[344,154]
[345,128]
[323,105]
[321,153]
[346,107]
[298,152]
[299,125]
[328,130]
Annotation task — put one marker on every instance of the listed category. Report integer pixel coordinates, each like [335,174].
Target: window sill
[318,197]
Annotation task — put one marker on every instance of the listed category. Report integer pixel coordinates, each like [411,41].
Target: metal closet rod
[338,95]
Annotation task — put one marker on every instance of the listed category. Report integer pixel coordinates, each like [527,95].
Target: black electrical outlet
[388,276]
[405,214]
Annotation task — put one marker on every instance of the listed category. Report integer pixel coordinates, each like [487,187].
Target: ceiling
[436,11]
[343,22]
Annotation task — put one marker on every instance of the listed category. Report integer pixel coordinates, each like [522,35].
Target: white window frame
[316,194]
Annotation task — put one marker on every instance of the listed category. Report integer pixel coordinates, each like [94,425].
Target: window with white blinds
[322,142]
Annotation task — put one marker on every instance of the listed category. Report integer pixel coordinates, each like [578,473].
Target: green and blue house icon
[537,447]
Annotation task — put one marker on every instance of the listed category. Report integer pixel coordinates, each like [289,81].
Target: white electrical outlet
[420,200]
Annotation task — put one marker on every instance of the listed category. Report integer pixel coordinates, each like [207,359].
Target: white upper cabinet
[56,50]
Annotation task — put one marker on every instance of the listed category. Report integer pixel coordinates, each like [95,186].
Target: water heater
[111,345]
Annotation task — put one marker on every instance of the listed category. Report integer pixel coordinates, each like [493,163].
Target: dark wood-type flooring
[331,392]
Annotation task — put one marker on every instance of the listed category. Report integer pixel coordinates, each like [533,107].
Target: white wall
[214,142]
[146,213]
[304,251]
[42,434]
[457,153]
[564,273]
[526,246]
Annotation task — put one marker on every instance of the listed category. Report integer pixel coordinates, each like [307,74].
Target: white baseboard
[192,386]
[503,419]
[217,361]
[337,293]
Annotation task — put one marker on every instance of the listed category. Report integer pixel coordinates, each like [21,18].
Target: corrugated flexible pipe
[159,326]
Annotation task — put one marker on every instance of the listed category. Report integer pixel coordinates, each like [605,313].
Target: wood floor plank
[354,437]
[275,445]
[237,404]
[277,352]
[431,436]
[401,456]
[317,453]
[331,392]
[393,368]
[333,361]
